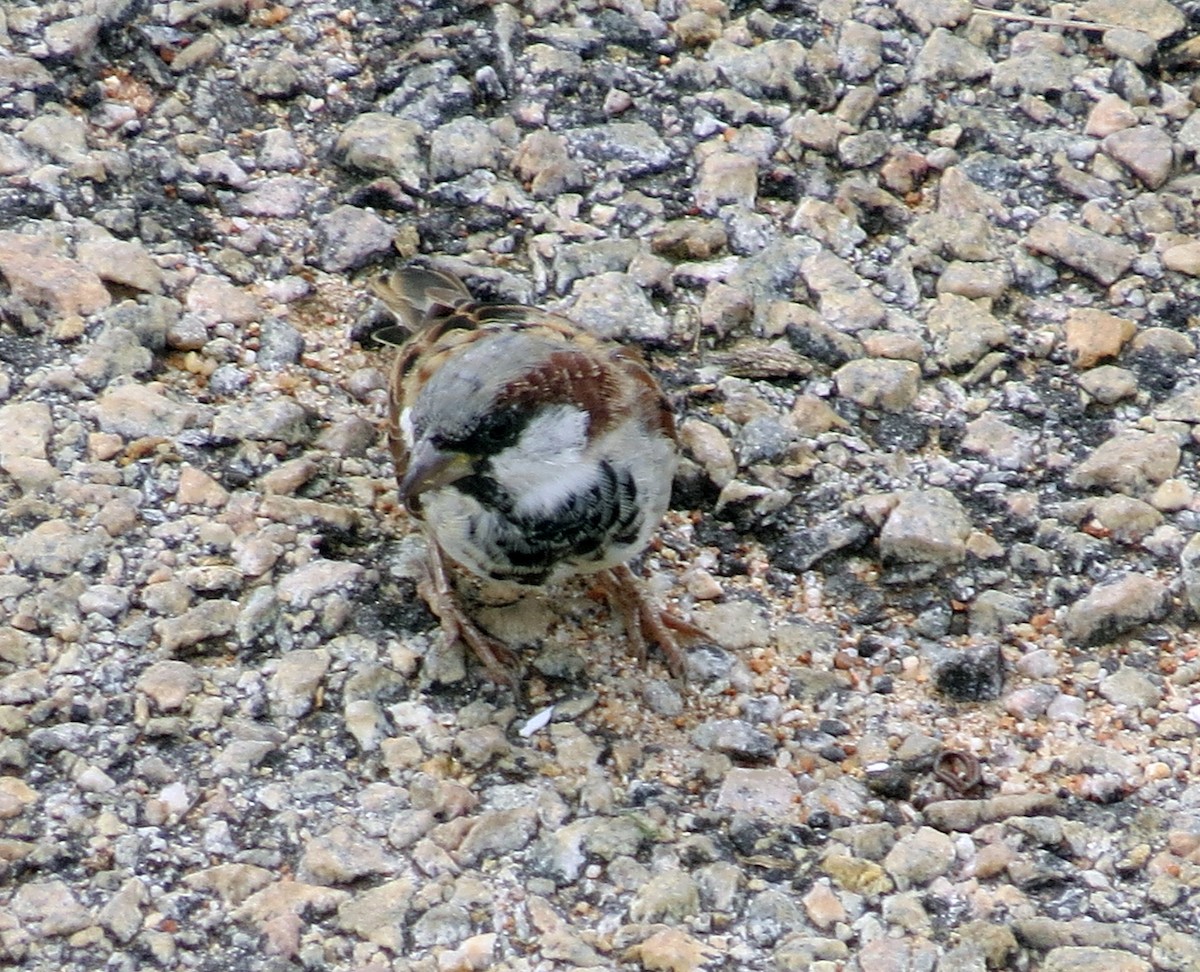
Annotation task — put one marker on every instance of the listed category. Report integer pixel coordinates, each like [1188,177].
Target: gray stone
[626,149]
[279,344]
[13,157]
[122,262]
[1130,462]
[379,915]
[279,419]
[272,78]
[342,855]
[297,677]
[926,526]
[735,737]
[213,300]
[726,178]
[278,150]
[770,793]
[918,858]
[1002,444]
[1176,951]
[1129,687]
[964,330]
[57,547]
[1080,248]
[1189,564]
[573,261]
[1035,72]
[879,383]
[59,134]
[770,914]
[928,14]
[860,50]
[498,832]
[48,909]
[121,915]
[1111,609]
[351,238]
[380,143]
[735,625]
[1158,18]
[207,620]
[670,896]
[220,169]
[1145,150]
[948,57]
[168,684]
[863,150]
[443,924]
[37,275]
[278,197]
[114,353]
[993,611]
[1082,958]
[612,305]
[461,146]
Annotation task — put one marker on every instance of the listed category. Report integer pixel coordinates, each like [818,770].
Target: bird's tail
[417,296]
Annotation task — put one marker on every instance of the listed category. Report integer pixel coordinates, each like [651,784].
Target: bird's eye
[495,432]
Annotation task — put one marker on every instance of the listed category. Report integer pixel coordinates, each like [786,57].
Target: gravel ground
[923,280]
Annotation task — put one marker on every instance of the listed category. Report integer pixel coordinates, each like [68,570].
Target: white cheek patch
[547,465]
[406,427]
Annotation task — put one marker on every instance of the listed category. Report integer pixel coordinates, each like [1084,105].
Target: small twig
[1043,21]
[960,771]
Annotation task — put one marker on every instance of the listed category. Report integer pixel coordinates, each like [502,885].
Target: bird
[530,451]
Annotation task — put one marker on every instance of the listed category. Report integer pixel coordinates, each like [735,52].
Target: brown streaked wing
[650,399]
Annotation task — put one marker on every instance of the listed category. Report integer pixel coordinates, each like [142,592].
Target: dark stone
[971,675]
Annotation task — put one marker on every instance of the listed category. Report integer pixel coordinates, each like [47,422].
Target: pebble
[878,383]
[1130,462]
[1081,249]
[351,238]
[1071,958]
[212,300]
[209,619]
[279,419]
[1144,150]
[769,793]
[168,684]
[297,678]
[948,57]
[925,527]
[1131,688]
[671,897]
[1093,336]
[1114,608]
[49,909]
[734,737]
[122,262]
[1183,258]
[379,143]
[613,306]
[1158,18]
[964,331]
[36,274]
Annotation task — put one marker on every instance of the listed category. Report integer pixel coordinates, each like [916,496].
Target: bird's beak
[430,468]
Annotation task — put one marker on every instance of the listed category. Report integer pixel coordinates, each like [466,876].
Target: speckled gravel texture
[923,282]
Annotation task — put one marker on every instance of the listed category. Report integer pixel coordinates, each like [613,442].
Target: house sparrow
[530,451]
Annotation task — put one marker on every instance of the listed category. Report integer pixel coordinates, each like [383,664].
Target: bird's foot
[498,659]
[645,621]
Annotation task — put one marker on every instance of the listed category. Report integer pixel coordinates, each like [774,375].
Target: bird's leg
[645,621]
[439,593]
